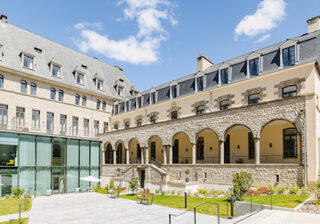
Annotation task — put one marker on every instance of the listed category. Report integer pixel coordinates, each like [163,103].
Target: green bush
[294,190]
[134,184]
[173,192]
[281,190]
[318,181]
[187,171]
[196,194]
[163,193]
[241,183]
[203,191]
[157,191]
[95,189]
[7,197]
[17,192]
[215,193]
[111,184]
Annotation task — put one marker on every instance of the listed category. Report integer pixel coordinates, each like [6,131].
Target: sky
[157,41]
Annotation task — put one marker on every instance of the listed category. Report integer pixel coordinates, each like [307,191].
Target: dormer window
[120,90]
[79,77]
[288,56]
[38,50]
[224,76]
[28,61]
[139,102]
[100,84]
[55,70]
[84,67]
[153,97]
[174,91]
[200,83]
[254,67]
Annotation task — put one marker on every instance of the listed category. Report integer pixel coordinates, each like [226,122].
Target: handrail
[155,162]
[195,212]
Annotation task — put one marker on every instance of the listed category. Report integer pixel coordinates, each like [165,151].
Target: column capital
[221,141]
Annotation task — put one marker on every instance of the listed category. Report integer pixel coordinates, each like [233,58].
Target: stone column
[147,155]
[170,154]
[164,155]
[257,150]
[194,151]
[114,157]
[142,160]
[127,156]
[221,152]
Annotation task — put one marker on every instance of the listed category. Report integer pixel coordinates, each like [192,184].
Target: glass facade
[38,163]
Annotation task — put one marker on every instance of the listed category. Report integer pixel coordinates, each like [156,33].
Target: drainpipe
[305,150]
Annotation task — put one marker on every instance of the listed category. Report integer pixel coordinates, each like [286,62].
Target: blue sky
[156,41]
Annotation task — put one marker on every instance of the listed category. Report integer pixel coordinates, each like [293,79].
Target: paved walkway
[87,208]
[5,218]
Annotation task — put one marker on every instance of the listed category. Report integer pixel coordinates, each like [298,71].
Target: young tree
[134,184]
[241,183]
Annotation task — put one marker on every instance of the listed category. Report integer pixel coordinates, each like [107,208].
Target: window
[127,106]
[105,127]
[84,101]
[50,121]
[85,126]
[53,93]
[174,115]
[33,88]
[224,105]
[120,90]
[126,125]
[224,76]
[153,98]
[139,102]
[23,87]
[3,116]
[104,105]
[289,91]
[153,151]
[200,109]
[100,85]
[251,146]
[116,126]
[116,110]
[98,104]
[1,81]
[63,124]
[77,99]
[254,98]
[200,83]
[35,119]
[288,56]
[55,70]
[254,67]
[61,94]
[200,148]
[96,127]
[80,78]
[153,119]
[174,91]
[74,126]
[27,61]
[20,117]
[139,122]
[290,143]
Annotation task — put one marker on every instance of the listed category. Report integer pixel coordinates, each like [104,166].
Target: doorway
[227,149]
[175,153]
[142,178]
[58,184]
[153,151]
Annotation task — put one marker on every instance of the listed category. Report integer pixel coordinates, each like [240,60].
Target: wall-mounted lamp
[162,150]
[131,153]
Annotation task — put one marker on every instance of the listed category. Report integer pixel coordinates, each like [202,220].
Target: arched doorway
[120,153]
[134,151]
[108,154]
[181,148]
[156,149]
[207,146]
[280,143]
[239,145]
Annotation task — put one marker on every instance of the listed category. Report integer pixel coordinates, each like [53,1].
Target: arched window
[61,94]
[53,93]
[33,88]
[98,104]
[84,101]
[23,88]
[1,81]
[290,143]
[77,99]
[200,148]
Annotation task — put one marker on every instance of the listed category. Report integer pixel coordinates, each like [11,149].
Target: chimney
[313,24]
[3,18]
[203,63]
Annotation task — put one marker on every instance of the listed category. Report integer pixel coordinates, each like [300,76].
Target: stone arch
[120,152]
[207,146]
[108,153]
[134,150]
[181,148]
[155,147]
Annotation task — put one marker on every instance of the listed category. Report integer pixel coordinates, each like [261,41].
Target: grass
[11,205]
[23,221]
[289,201]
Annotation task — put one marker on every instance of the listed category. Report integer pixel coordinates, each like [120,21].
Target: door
[58,184]
[227,149]
[153,150]
[142,178]
[175,152]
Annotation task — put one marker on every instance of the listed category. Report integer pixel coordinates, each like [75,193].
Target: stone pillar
[127,156]
[142,160]
[114,157]
[103,160]
[221,152]
[170,154]
[257,150]
[194,151]
[164,155]
[147,155]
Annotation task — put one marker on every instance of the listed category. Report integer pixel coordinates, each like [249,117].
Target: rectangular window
[288,56]
[153,119]
[251,146]
[80,78]
[55,70]
[36,119]
[139,123]
[63,124]
[254,98]
[289,91]
[105,127]
[50,121]
[3,116]
[116,126]
[86,126]
[254,67]
[174,91]
[139,102]
[200,83]
[120,90]
[100,85]
[290,143]
[96,127]
[74,126]
[126,125]
[224,105]
[153,98]
[174,115]
[104,105]
[224,76]
[20,117]
[1,81]
[200,109]
[27,61]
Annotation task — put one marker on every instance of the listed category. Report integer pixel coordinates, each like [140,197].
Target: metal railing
[195,212]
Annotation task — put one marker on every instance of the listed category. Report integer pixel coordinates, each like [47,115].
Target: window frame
[288,58]
[35,119]
[63,124]
[28,56]
[120,93]
[1,81]
[174,115]
[253,101]
[224,72]
[3,116]
[20,116]
[75,125]
[139,122]
[96,127]
[198,111]
[84,101]
[105,127]
[86,126]
[126,124]
[76,99]
[98,104]
[79,74]
[174,91]
[53,91]
[200,83]
[289,94]
[224,107]
[52,65]
[25,84]
[60,95]
[104,105]
[200,149]
[51,128]
[295,149]
[33,88]
[99,84]
[256,66]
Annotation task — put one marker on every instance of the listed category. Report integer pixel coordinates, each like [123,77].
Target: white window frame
[51,70]
[101,86]
[86,126]
[77,73]
[35,120]
[122,93]
[30,56]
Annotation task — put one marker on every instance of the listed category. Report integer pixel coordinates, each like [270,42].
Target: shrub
[123,188]
[281,190]
[256,186]
[263,190]
[157,191]
[147,190]
[17,192]
[180,192]
[95,189]
[241,183]
[173,192]
[294,190]
[203,191]
[7,197]
[215,193]
[163,193]
[271,188]
[196,194]
[111,184]
[118,169]
[134,184]
[187,171]
[251,192]
[304,190]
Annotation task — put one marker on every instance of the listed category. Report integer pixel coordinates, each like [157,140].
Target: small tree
[111,184]
[18,192]
[241,183]
[134,184]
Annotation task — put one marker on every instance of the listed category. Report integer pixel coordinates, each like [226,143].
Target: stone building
[258,112]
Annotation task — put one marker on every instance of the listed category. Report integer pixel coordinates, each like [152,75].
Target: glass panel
[73,153]
[95,151]
[84,153]
[94,172]
[224,76]
[27,179]
[27,150]
[84,185]
[43,151]
[43,180]
[58,152]
[72,179]
[56,70]
[9,180]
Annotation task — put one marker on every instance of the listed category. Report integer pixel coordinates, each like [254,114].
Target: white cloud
[267,16]
[141,48]
[263,38]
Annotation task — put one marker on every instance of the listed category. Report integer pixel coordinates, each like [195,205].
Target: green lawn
[23,221]
[11,205]
[289,201]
